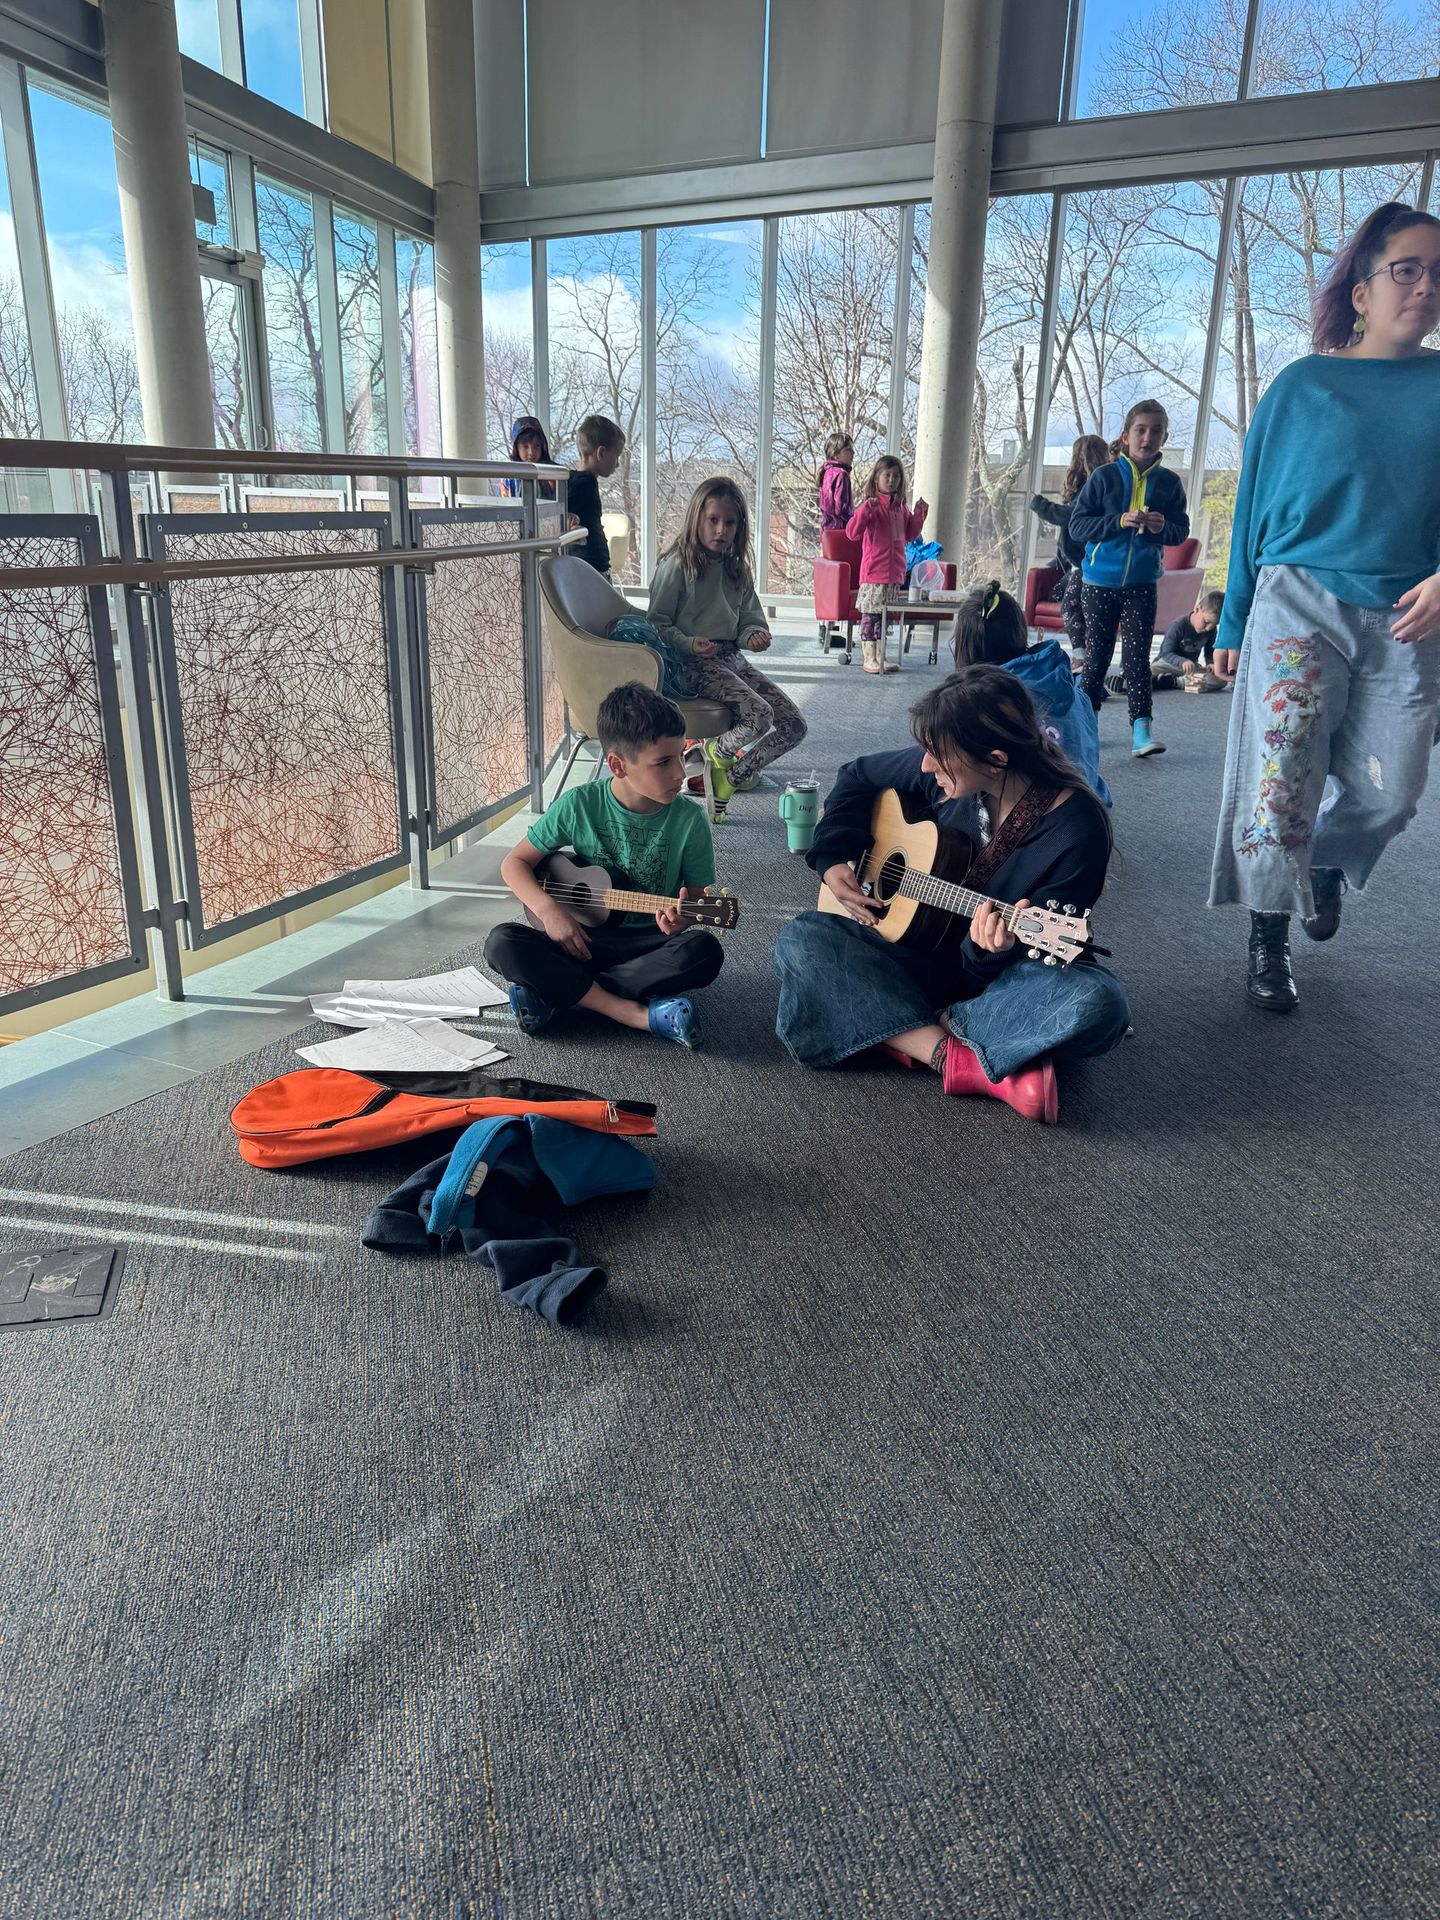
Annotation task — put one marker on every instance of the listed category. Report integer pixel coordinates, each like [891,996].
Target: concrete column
[455,161]
[157,216]
[964,139]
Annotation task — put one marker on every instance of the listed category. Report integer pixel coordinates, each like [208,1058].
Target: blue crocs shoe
[675,1020]
[533,1013]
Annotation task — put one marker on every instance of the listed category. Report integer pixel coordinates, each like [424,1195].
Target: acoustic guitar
[591,896]
[913,871]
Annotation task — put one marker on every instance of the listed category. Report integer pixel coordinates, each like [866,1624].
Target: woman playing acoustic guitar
[982,767]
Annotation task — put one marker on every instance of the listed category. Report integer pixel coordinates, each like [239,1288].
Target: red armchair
[1176,591]
[837,574]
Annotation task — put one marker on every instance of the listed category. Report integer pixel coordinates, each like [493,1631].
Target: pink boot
[1031,1091]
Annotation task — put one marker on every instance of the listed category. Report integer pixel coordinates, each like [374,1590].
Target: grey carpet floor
[939,1515]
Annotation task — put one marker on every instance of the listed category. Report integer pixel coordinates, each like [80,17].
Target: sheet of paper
[404,1046]
[460,993]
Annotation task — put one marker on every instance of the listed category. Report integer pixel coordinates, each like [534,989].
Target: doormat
[41,1286]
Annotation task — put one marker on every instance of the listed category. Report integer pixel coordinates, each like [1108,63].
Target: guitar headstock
[721,910]
[1058,933]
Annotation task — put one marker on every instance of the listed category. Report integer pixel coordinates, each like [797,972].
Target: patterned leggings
[1072,611]
[1131,612]
[768,722]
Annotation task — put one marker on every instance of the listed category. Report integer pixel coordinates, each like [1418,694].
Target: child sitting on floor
[634,825]
[1178,663]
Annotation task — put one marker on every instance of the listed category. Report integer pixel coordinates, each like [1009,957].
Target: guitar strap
[1027,812]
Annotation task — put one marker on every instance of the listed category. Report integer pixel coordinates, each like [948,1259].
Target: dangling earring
[1357,332]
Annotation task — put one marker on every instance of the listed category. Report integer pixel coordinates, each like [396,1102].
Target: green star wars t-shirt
[657,852]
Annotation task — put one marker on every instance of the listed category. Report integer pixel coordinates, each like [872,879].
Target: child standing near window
[882,524]
[833,480]
[529,441]
[1126,514]
[704,606]
[1087,454]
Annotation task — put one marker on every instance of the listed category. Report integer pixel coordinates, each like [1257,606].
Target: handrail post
[146,779]
[402,604]
[534,673]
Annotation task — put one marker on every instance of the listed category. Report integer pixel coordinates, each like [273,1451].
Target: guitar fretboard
[620,901]
[950,897]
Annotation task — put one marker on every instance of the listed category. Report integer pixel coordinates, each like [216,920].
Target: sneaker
[746,782]
[1115,682]
[675,1020]
[532,1013]
[721,774]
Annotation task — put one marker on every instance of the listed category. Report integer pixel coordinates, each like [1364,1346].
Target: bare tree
[19,408]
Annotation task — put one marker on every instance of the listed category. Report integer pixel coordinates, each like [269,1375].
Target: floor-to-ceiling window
[362,349]
[419,344]
[289,283]
[707,363]
[80,201]
[834,324]
[593,298]
[19,404]
[506,294]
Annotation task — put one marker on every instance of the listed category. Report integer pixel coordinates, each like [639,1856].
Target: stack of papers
[460,995]
[403,1024]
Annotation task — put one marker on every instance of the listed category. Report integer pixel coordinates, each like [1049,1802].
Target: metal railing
[298,701]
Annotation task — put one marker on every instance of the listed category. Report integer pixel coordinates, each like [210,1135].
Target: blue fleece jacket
[1341,476]
[1117,556]
[1046,671]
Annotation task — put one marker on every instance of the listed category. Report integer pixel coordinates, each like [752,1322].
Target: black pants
[637,963]
[1130,611]
[1072,610]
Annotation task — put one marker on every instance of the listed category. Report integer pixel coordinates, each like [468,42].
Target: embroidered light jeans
[1329,749]
[844,989]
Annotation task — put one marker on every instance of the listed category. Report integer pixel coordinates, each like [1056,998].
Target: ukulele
[589,894]
[913,870]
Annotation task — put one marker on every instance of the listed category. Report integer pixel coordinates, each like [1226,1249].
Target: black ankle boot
[1328,886]
[1269,982]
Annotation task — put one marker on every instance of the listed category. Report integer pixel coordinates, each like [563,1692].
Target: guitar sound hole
[887,880]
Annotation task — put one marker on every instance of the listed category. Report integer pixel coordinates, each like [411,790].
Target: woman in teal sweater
[1332,608]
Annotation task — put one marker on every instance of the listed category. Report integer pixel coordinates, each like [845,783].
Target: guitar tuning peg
[1051,961]
[1034,954]
[1067,908]
[1053,905]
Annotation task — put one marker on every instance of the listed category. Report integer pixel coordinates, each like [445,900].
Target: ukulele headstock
[719,910]
[1056,933]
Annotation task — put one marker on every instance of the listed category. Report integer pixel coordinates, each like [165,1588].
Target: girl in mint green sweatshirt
[704,606]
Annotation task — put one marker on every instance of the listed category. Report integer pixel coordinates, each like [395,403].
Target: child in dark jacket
[1088,453]
[1126,515]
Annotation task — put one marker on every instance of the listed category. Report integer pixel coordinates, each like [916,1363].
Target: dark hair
[835,445]
[1333,313]
[1213,602]
[1117,446]
[596,434]
[872,485]
[527,423]
[1090,451]
[989,626]
[632,717]
[984,710]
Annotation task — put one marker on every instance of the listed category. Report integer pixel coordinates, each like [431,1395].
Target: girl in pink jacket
[882,524]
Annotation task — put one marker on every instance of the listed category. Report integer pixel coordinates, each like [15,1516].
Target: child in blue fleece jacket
[1126,515]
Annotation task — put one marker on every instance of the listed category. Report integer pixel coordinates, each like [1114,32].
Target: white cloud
[82,274]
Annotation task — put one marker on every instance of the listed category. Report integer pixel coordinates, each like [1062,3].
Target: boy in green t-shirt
[649,840]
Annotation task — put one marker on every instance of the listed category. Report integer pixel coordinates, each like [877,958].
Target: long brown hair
[835,445]
[687,547]
[1333,313]
[983,710]
[1117,446]
[872,489]
[1090,451]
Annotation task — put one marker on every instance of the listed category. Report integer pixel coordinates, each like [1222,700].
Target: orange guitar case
[318,1113]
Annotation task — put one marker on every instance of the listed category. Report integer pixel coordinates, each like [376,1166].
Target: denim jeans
[1330,737]
[844,989]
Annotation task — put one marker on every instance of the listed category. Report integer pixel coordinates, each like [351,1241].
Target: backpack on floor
[317,1113]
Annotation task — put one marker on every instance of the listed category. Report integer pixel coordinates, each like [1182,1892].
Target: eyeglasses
[1408,273]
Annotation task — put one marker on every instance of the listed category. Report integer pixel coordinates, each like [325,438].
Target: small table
[933,612]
